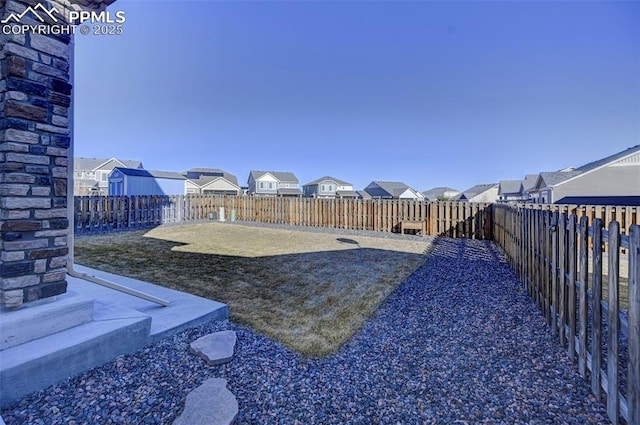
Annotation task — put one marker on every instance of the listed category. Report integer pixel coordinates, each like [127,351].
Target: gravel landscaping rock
[458,342]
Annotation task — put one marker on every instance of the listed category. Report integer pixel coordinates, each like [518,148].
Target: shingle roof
[289,191]
[510,186]
[552,178]
[321,179]
[139,172]
[210,174]
[347,193]
[529,182]
[283,176]
[204,170]
[383,189]
[611,158]
[167,175]
[134,172]
[557,177]
[205,180]
[80,163]
[479,188]
[434,192]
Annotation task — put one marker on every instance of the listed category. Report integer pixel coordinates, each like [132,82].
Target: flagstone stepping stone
[215,348]
[211,404]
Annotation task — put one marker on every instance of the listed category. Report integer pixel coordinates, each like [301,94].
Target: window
[323,189]
[103,176]
[330,188]
[261,185]
[270,185]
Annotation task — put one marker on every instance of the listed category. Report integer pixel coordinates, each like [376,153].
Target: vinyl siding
[220,185]
[265,180]
[490,195]
[614,180]
[137,185]
[327,188]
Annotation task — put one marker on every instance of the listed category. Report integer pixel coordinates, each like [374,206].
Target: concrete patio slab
[184,311]
[120,324]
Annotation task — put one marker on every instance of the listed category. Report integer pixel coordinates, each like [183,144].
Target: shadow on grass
[311,302]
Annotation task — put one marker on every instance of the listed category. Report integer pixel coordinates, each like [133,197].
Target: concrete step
[184,310]
[36,364]
[120,324]
[26,324]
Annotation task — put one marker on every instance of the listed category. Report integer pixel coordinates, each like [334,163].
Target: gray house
[521,190]
[273,183]
[614,180]
[440,193]
[392,190]
[211,181]
[362,194]
[487,192]
[528,183]
[91,175]
[511,191]
[137,181]
[329,187]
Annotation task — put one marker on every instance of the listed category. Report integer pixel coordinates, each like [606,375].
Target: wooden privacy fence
[581,265]
[453,219]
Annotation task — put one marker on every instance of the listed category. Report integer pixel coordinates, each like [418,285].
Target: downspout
[71,271]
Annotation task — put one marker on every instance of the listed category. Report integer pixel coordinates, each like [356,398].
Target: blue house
[134,182]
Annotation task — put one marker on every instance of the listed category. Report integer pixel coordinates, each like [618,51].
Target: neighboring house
[211,181]
[273,183]
[541,191]
[480,193]
[614,180]
[518,190]
[511,191]
[329,187]
[91,174]
[136,182]
[441,193]
[528,184]
[392,190]
[362,194]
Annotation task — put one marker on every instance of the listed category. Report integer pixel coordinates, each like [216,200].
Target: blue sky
[429,93]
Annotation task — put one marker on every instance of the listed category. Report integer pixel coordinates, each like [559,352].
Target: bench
[414,225]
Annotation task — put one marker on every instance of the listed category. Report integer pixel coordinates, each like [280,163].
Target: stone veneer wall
[35,96]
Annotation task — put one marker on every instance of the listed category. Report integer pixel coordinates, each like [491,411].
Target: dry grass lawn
[310,291]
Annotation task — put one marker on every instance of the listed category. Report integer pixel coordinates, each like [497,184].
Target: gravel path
[458,342]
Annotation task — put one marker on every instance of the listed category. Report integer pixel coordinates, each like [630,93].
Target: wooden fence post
[596,308]
[554,272]
[582,295]
[562,278]
[573,251]
[633,373]
[633,381]
[613,402]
